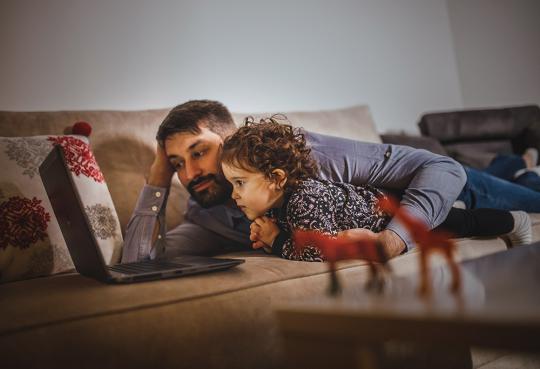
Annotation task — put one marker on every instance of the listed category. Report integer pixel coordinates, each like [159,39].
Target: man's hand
[357,234]
[263,232]
[392,243]
[161,171]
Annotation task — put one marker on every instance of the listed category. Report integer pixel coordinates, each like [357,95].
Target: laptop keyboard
[146,266]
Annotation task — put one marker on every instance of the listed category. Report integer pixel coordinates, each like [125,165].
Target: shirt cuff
[402,233]
[151,201]
[397,227]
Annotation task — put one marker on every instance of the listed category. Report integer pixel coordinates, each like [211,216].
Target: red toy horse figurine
[427,241]
[336,249]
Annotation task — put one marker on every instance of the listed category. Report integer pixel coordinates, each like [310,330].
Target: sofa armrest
[418,142]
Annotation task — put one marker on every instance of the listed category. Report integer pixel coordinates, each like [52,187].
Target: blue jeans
[505,166]
[484,189]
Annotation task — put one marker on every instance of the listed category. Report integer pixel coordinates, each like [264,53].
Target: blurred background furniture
[474,137]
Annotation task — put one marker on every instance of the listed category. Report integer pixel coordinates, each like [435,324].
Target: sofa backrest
[473,136]
[123,143]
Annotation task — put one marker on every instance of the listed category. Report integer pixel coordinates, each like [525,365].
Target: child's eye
[239,183]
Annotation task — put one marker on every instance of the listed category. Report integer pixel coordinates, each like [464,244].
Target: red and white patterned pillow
[31,243]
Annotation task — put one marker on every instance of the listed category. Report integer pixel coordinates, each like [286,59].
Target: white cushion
[31,243]
[355,122]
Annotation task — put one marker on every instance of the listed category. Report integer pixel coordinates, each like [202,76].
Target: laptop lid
[67,207]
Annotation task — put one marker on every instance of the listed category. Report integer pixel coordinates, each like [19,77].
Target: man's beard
[218,193]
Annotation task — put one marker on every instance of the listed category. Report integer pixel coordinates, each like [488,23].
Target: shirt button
[154,208]
[387,154]
[158,194]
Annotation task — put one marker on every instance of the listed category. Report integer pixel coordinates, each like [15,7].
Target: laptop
[82,244]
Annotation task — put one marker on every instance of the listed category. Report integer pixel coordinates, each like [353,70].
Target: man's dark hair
[186,117]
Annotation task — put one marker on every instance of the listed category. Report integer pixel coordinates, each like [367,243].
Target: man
[189,142]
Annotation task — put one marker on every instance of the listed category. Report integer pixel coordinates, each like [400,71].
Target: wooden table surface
[498,307]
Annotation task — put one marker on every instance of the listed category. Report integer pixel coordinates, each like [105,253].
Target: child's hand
[263,232]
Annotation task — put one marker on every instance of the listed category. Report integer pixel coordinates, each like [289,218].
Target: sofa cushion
[355,122]
[31,243]
[182,322]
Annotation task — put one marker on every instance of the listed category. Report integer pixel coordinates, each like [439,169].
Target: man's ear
[279,178]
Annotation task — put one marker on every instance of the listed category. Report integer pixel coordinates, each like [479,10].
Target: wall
[497,47]
[396,56]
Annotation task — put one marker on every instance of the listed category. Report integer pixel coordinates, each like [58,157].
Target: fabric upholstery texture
[221,320]
[355,122]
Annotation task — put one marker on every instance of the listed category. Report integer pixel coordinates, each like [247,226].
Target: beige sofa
[220,320]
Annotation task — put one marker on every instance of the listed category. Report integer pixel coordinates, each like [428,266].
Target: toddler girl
[275,184]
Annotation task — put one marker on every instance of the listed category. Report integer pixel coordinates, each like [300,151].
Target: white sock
[525,170]
[520,172]
[522,232]
[532,153]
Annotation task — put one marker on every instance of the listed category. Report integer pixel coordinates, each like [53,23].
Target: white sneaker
[459,204]
[522,232]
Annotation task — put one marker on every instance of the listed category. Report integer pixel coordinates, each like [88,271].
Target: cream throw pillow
[355,123]
[31,243]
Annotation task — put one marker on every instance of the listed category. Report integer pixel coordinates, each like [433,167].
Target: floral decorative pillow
[31,243]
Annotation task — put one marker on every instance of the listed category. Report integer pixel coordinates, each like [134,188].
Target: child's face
[253,192]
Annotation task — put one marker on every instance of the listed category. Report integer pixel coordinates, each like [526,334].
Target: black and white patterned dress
[328,207]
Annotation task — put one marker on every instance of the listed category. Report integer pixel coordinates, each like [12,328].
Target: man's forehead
[184,141]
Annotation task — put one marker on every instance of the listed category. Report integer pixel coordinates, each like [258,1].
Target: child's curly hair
[269,145]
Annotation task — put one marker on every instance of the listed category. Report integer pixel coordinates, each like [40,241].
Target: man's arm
[392,243]
[143,228]
[147,237]
[429,183]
